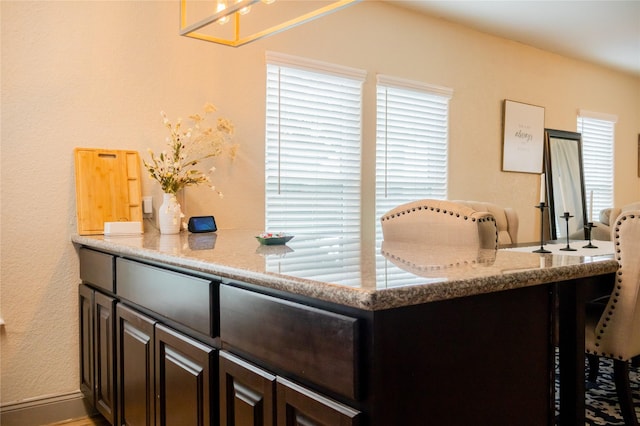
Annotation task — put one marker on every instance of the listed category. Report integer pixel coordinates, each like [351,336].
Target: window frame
[437,120]
[277,213]
[598,160]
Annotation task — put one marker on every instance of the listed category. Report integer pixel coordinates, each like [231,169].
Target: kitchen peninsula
[325,331]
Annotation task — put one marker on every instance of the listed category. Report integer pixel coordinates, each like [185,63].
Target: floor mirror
[565,184]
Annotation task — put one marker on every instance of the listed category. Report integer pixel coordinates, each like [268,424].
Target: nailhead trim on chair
[612,307]
[438,210]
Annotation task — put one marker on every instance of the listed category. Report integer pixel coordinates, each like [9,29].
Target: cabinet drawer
[313,344]
[182,298]
[96,268]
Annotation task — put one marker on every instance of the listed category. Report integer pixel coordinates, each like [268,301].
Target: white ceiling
[606,32]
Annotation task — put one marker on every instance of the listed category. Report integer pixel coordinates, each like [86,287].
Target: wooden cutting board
[107,188]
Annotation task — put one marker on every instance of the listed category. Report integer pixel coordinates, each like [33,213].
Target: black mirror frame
[554,216]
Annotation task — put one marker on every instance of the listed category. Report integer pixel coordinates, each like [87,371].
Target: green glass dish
[274,240]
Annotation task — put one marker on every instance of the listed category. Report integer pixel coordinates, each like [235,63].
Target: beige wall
[96,74]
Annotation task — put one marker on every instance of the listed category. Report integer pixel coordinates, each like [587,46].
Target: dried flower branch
[175,168]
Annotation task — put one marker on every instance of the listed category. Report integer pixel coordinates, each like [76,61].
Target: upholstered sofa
[602,229]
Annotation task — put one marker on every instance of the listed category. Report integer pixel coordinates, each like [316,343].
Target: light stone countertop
[351,273]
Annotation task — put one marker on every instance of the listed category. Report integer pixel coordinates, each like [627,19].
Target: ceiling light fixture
[249,13]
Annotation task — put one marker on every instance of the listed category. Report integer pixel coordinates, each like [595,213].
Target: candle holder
[587,229]
[541,206]
[566,217]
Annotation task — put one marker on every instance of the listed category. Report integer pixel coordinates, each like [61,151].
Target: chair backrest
[443,223]
[617,334]
[506,219]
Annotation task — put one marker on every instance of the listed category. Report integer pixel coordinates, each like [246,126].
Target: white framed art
[523,137]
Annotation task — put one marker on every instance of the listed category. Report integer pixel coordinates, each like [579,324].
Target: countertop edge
[364,299]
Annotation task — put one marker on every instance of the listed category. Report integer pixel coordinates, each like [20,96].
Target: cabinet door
[298,406]
[184,375]
[247,393]
[104,350]
[86,341]
[135,346]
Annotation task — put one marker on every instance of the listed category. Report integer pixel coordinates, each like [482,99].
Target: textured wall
[96,74]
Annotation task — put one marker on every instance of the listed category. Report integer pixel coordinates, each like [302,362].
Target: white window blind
[597,155]
[313,138]
[412,130]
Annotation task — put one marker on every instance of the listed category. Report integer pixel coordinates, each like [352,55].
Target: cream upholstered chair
[438,222]
[615,332]
[506,219]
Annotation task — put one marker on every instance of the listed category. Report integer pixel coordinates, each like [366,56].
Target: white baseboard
[45,410]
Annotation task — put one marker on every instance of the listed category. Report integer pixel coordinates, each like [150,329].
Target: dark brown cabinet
[135,372]
[251,396]
[185,372]
[197,348]
[97,357]
[164,377]
[247,393]
[298,406]
[104,355]
[311,343]
[150,351]
[86,296]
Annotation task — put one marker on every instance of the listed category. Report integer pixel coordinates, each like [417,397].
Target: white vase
[169,215]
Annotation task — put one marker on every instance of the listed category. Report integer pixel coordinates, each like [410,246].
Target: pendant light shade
[238,22]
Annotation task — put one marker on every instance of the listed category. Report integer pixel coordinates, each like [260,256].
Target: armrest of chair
[608,216]
[513,223]
[506,219]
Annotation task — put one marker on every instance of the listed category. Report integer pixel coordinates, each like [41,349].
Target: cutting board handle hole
[107,155]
